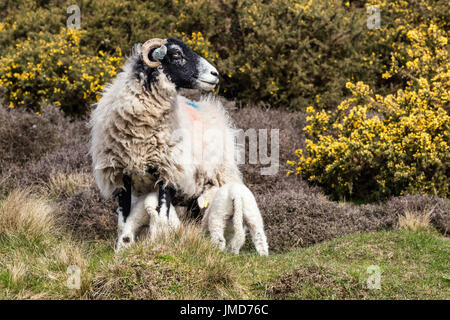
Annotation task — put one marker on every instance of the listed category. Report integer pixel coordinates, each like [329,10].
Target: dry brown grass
[36,250]
[25,213]
[63,184]
[414,221]
[439,209]
[17,271]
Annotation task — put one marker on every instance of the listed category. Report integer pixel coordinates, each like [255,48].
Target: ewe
[233,207]
[144,134]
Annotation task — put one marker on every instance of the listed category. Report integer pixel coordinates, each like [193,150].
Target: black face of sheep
[181,65]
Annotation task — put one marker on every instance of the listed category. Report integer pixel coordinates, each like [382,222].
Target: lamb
[146,137]
[145,212]
[232,208]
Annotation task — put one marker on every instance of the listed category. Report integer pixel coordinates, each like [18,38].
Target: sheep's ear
[159,53]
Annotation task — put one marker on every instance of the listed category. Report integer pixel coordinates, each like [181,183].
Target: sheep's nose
[215,73]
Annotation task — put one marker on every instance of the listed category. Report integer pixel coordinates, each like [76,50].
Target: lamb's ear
[205,199]
[202,203]
[159,53]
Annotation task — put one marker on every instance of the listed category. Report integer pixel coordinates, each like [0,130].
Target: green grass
[414,265]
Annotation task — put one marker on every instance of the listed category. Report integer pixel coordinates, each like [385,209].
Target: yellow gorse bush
[53,69]
[375,146]
[284,53]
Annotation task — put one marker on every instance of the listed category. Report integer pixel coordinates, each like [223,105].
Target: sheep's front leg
[124,197]
[138,217]
[123,211]
[127,232]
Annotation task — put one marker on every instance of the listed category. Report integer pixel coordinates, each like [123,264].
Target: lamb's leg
[237,241]
[159,221]
[260,241]
[174,221]
[219,240]
[238,226]
[151,207]
[216,227]
[255,225]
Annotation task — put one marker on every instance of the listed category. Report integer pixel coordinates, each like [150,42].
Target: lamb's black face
[185,68]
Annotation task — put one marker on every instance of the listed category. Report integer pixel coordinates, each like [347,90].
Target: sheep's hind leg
[216,229]
[255,225]
[259,240]
[237,241]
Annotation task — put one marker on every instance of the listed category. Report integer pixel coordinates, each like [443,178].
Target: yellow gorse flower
[57,71]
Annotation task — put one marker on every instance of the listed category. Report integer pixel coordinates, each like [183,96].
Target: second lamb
[232,209]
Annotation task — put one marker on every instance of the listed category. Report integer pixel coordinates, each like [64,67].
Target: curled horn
[147,47]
